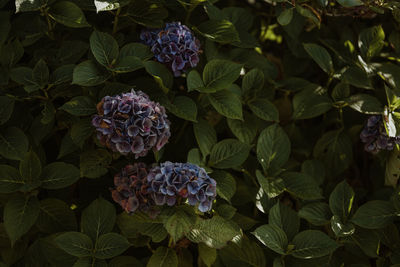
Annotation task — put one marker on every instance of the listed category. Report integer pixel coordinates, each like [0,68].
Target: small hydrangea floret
[375,137]
[131,189]
[174,46]
[131,123]
[171,181]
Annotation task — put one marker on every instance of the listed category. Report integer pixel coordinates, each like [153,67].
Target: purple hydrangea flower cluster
[175,46]
[131,188]
[138,187]
[375,137]
[131,123]
[170,181]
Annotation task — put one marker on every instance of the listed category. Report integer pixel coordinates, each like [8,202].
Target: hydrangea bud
[171,181]
[131,123]
[174,46]
[375,137]
[131,189]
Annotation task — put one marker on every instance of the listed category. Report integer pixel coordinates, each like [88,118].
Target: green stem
[49,24]
[116,20]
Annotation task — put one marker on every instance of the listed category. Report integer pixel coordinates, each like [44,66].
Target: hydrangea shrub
[187,133]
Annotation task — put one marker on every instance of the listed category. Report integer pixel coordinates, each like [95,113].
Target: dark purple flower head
[175,46]
[375,137]
[171,181]
[131,189]
[131,123]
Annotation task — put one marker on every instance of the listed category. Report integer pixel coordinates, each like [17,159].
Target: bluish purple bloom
[131,189]
[175,46]
[131,123]
[375,137]
[171,181]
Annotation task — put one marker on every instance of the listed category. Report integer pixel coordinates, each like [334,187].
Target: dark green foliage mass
[286,111]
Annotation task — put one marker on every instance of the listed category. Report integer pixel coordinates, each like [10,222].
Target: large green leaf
[104,48]
[229,153]
[20,214]
[341,200]
[6,108]
[110,245]
[58,175]
[264,109]
[10,179]
[13,143]
[226,184]
[206,136]
[371,41]
[88,73]
[214,232]
[76,244]
[245,130]
[69,14]
[374,214]
[147,13]
[183,107]
[221,31]
[365,104]
[227,104]
[55,216]
[94,163]
[220,74]
[285,218]
[320,56]
[273,148]
[310,103]
[273,237]
[29,5]
[163,257]
[312,244]
[80,106]
[30,169]
[317,213]
[98,218]
[179,223]
[301,185]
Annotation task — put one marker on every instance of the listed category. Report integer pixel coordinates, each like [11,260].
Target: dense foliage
[199,133]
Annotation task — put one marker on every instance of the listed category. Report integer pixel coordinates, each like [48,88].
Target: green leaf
[76,244]
[392,170]
[6,108]
[110,245]
[317,213]
[163,257]
[253,81]
[98,218]
[312,244]
[350,3]
[228,153]
[245,130]
[88,73]
[214,232]
[194,156]
[301,185]
[55,216]
[80,106]
[273,237]
[374,214]
[226,184]
[125,261]
[272,186]
[364,103]
[227,104]
[10,179]
[220,74]
[30,169]
[310,103]
[206,136]
[371,41]
[58,175]
[207,255]
[48,112]
[183,107]
[5,25]
[357,77]
[20,213]
[285,218]
[221,31]
[341,200]
[67,146]
[273,148]
[341,91]
[285,17]
[13,143]
[94,163]
[28,5]
[81,131]
[68,14]
[137,50]
[247,253]
[320,56]
[341,229]
[264,109]
[40,73]
[194,81]
[104,48]
[128,64]
[147,13]
[314,168]
[180,223]
[160,73]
